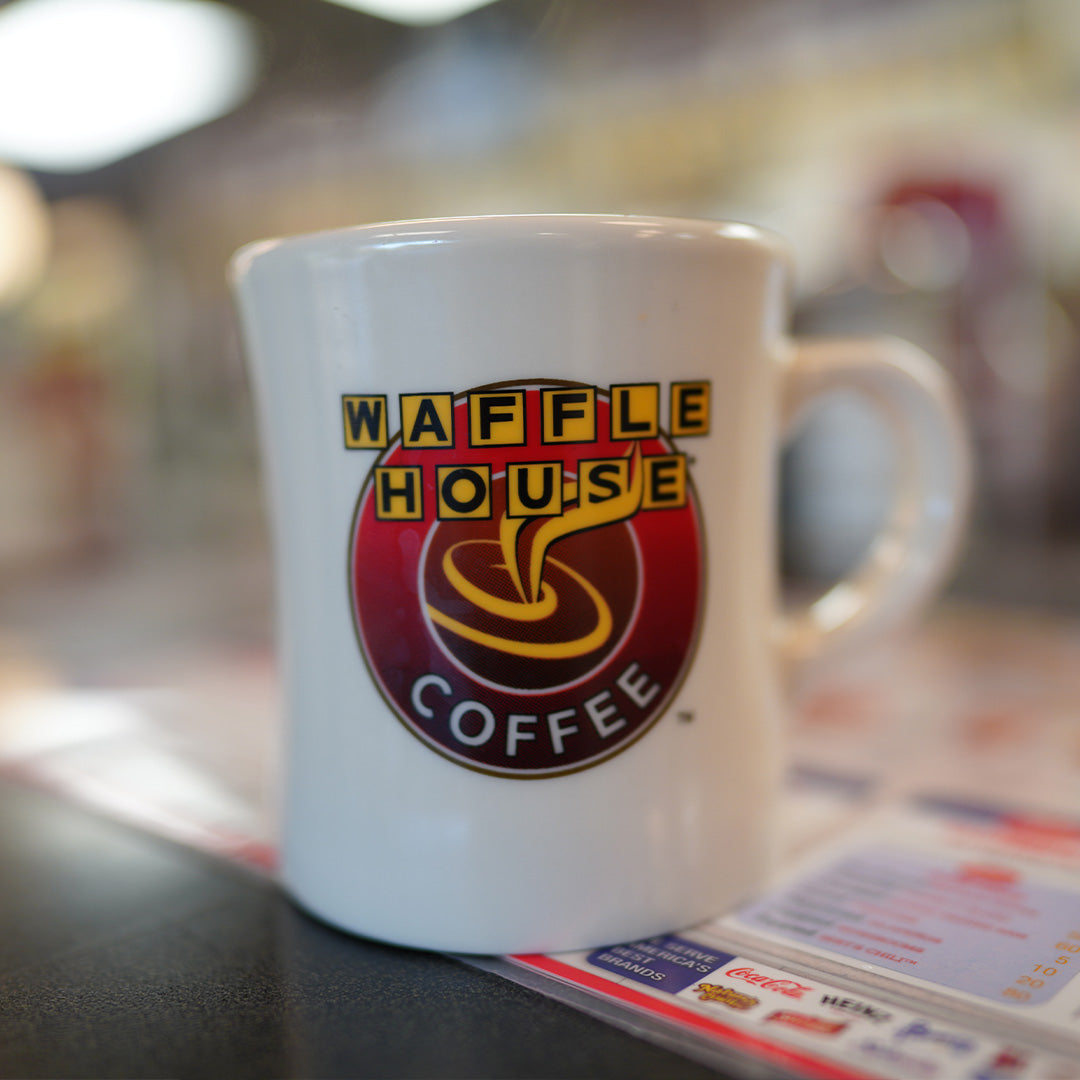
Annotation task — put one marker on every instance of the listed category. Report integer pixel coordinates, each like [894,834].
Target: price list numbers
[1054,970]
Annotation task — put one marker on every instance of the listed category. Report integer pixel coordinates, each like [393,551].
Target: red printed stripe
[1051,828]
[808,1066]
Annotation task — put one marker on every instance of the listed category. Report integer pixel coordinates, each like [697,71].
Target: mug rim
[509,226]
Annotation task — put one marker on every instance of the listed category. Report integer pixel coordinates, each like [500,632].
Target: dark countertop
[124,955]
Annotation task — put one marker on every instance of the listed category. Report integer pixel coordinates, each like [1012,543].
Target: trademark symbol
[685,716]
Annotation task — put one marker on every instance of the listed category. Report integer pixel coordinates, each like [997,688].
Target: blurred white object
[414,12]
[96,80]
[46,722]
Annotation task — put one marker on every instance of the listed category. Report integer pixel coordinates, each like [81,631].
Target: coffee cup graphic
[514,613]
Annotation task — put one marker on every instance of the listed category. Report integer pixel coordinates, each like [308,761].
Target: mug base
[478,942]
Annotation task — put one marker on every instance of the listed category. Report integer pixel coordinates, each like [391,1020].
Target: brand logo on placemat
[787,987]
[725,995]
[526,567]
[804,1022]
[874,1013]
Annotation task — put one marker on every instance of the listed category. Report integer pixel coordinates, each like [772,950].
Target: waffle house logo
[526,566]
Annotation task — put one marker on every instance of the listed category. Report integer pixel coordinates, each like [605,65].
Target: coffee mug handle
[919,539]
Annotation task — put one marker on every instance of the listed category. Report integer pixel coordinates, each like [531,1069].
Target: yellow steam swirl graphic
[537,598]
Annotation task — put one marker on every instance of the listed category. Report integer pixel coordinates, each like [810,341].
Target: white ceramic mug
[522,478]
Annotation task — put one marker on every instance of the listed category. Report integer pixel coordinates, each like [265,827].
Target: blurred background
[921,158]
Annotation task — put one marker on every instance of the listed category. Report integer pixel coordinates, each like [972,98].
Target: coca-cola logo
[787,987]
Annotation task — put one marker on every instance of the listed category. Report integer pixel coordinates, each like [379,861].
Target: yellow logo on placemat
[725,995]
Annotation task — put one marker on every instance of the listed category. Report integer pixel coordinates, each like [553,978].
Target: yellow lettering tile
[665,482]
[602,479]
[534,489]
[569,414]
[464,491]
[365,421]
[399,493]
[691,406]
[635,411]
[427,420]
[497,418]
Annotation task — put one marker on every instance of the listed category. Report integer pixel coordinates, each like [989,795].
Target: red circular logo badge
[526,567]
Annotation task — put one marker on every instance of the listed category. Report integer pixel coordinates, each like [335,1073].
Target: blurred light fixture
[414,12]
[24,235]
[86,82]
